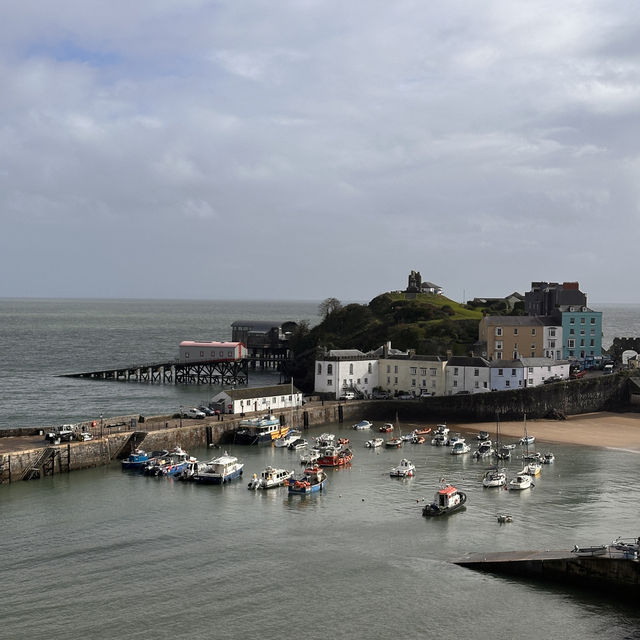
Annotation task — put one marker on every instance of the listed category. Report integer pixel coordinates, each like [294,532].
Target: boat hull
[433,510]
[295,489]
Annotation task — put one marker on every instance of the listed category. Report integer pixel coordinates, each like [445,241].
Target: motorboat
[483,435]
[312,481]
[362,425]
[460,447]
[504,517]
[286,440]
[439,440]
[525,440]
[271,478]
[171,464]
[325,440]
[136,460]
[407,437]
[422,431]
[548,458]
[485,449]
[443,429]
[532,468]
[406,469]
[311,456]
[299,443]
[264,430]
[334,457]
[386,427]
[223,469]
[494,477]
[343,441]
[503,453]
[453,438]
[374,443]
[532,455]
[418,439]
[393,443]
[520,482]
[447,500]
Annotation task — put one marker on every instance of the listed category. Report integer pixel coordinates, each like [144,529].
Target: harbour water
[104,554]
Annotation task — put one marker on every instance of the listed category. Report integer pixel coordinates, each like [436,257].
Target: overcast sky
[302,149]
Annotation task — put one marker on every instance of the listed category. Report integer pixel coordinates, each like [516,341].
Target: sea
[105,554]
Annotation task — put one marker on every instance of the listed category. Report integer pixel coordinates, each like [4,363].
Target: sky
[306,149]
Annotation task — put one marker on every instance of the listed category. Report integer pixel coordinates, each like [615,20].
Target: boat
[362,425]
[407,437]
[443,429]
[137,459]
[503,453]
[594,550]
[447,500]
[313,480]
[260,431]
[548,458]
[460,447]
[223,469]
[504,517]
[520,482]
[453,438]
[393,443]
[386,427]
[532,455]
[532,468]
[343,441]
[334,457]
[494,477]
[299,443]
[439,440]
[526,440]
[286,440]
[418,439]
[374,443]
[311,456]
[483,435]
[485,449]
[173,463]
[325,440]
[406,469]
[422,431]
[271,478]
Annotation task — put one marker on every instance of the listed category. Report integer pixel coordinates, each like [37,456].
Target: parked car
[348,395]
[207,410]
[193,413]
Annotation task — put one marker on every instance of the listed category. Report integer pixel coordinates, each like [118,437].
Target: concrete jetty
[615,566]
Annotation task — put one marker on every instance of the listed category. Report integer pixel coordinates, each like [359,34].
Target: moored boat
[223,469]
[286,440]
[260,431]
[334,457]
[136,460]
[374,443]
[521,482]
[483,435]
[313,480]
[386,427]
[548,458]
[363,424]
[532,468]
[393,442]
[406,469]
[439,440]
[422,431]
[447,500]
[494,477]
[271,478]
[485,448]
[171,464]
[459,447]
[311,456]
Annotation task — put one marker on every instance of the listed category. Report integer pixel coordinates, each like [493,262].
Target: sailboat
[502,451]
[396,441]
[533,466]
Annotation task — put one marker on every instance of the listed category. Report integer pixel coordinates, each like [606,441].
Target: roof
[257,325]
[513,321]
[345,353]
[220,345]
[506,364]
[542,362]
[467,361]
[260,392]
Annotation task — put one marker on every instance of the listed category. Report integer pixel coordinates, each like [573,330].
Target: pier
[614,566]
[213,372]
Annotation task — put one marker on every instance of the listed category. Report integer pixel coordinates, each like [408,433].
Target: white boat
[494,477]
[298,443]
[406,469]
[443,429]
[285,441]
[362,425]
[310,456]
[483,435]
[525,440]
[271,478]
[453,438]
[485,448]
[532,468]
[439,440]
[219,470]
[325,440]
[548,458]
[520,482]
[374,443]
[446,501]
[459,447]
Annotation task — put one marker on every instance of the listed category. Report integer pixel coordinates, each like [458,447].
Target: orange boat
[334,457]
[423,431]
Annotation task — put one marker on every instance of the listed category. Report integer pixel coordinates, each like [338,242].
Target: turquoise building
[581,334]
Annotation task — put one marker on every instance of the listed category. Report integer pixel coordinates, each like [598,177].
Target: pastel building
[581,334]
[413,374]
[507,374]
[467,375]
[346,370]
[511,337]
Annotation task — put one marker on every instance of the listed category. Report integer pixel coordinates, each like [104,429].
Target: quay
[615,566]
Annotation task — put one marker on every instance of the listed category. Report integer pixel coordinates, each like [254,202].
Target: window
[366,380]
[395,369]
[572,332]
[552,333]
[500,372]
[455,383]
[413,382]
[395,381]
[533,345]
[513,372]
[583,320]
[319,368]
[351,369]
[476,372]
[499,345]
[485,385]
[592,343]
[433,371]
[593,320]
[369,369]
[329,369]
[582,342]
[571,343]
[533,332]
[477,385]
[388,380]
[229,354]
[498,331]
[423,371]
[515,355]
[455,371]
[202,354]
[572,320]
[388,368]
[358,382]
[329,382]
[414,370]
[530,381]
[507,383]
[530,369]
[552,344]
[515,331]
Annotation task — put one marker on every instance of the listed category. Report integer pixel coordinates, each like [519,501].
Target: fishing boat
[460,447]
[311,456]
[171,464]
[137,459]
[325,440]
[494,477]
[223,469]
[313,480]
[406,469]
[260,431]
[446,501]
[521,482]
[362,425]
[270,478]
[334,457]
[374,443]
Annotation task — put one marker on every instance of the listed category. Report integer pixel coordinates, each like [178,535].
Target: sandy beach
[608,430]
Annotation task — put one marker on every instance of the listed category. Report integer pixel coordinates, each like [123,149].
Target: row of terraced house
[559,332]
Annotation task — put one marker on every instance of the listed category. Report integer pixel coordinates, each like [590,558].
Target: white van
[348,395]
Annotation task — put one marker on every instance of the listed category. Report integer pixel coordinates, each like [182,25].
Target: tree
[328,306]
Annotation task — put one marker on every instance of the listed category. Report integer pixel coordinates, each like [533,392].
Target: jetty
[613,566]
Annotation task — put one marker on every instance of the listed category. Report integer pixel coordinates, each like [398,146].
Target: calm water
[104,554]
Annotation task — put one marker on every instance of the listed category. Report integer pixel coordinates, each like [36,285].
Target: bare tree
[328,306]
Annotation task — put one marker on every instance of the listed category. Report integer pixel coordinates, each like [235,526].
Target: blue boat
[135,461]
[218,471]
[313,480]
[171,464]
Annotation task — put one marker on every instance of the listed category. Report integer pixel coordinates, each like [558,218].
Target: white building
[537,370]
[268,399]
[467,375]
[413,374]
[552,340]
[507,374]
[346,370]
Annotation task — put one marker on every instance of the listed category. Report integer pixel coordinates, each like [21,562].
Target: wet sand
[607,430]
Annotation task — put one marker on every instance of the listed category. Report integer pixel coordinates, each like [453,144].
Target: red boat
[422,432]
[334,457]
[386,428]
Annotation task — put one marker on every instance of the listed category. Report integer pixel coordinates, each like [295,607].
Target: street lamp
[180,416]
[101,429]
